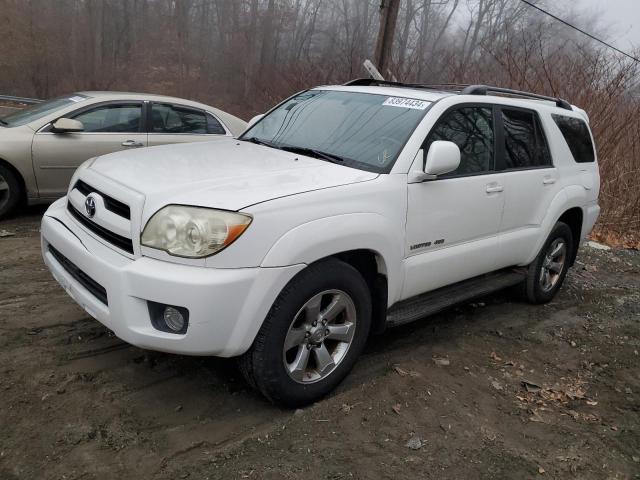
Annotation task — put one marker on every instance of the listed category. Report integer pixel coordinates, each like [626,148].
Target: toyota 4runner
[343,210]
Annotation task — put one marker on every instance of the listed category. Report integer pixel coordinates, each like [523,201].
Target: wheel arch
[371,266]
[368,242]
[568,205]
[573,217]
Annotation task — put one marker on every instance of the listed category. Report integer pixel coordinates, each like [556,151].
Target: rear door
[108,127]
[530,182]
[173,123]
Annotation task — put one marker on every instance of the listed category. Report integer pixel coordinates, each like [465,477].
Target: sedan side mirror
[254,120]
[442,157]
[67,125]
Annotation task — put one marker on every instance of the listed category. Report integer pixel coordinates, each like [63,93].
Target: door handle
[548,180]
[494,188]
[131,143]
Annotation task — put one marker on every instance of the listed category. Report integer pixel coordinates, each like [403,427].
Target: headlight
[193,232]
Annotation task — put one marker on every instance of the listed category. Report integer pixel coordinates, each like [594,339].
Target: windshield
[360,130]
[39,110]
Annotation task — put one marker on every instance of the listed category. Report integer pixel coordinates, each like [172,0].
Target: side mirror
[254,120]
[442,157]
[67,125]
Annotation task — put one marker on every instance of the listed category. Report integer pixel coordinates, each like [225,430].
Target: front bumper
[226,306]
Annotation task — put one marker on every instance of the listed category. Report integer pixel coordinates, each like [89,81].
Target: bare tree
[245,55]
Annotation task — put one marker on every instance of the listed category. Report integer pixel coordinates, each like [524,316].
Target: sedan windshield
[360,130]
[39,110]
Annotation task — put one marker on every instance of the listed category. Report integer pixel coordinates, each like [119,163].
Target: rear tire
[10,191]
[547,272]
[312,336]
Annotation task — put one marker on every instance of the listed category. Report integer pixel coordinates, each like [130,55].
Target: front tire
[547,272]
[312,336]
[10,191]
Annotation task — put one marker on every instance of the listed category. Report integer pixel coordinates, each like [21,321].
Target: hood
[226,174]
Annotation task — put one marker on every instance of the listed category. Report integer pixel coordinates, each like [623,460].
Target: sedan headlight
[193,232]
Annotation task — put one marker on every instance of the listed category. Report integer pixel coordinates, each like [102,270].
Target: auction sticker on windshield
[406,103]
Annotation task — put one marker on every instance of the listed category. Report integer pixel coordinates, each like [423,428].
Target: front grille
[85,280]
[110,203]
[113,238]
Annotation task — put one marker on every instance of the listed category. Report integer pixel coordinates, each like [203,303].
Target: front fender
[15,150]
[328,236]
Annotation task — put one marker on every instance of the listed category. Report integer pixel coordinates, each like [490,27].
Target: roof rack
[370,82]
[485,89]
[462,89]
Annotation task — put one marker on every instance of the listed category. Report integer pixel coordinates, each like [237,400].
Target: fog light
[173,319]
[168,318]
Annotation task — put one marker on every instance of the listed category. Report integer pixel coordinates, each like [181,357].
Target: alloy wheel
[319,336]
[553,264]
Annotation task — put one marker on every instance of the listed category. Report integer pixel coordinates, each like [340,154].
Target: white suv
[345,209]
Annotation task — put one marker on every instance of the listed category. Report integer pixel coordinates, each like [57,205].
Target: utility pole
[388,15]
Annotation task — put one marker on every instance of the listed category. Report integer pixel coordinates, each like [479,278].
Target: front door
[107,128]
[453,221]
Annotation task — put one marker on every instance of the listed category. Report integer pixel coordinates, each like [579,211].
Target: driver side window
[472,129]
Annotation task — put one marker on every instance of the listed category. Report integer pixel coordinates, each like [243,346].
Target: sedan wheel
[5,192]
[10,191]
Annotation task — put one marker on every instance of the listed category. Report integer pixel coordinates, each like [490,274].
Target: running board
[426,304]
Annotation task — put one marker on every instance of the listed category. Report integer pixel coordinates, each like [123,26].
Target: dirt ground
[493,389]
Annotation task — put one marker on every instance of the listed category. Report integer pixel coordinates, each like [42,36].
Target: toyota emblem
[90,206]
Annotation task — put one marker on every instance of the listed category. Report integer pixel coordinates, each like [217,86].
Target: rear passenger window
[524,143]
[471,128]
[175,119]
[576,134]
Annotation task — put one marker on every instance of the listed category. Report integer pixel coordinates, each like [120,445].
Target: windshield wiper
[3,122]
[259,141]
[312,152]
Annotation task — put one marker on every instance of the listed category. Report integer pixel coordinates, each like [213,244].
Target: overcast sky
[621,16]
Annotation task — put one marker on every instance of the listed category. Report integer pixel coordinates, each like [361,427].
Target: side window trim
[458,106]
[501,163]
[541,135]
[149,119]
[139,103]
